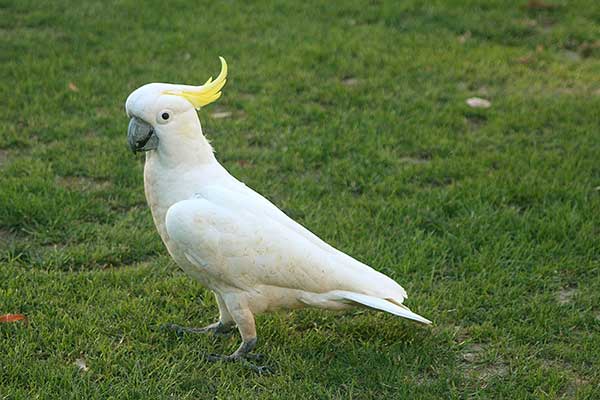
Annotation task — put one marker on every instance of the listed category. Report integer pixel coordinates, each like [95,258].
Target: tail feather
[390,305]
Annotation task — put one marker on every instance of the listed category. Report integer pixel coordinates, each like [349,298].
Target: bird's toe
[243,359]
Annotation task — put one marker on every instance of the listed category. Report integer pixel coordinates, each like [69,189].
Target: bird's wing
[247,198]
[260,204]
[232,238]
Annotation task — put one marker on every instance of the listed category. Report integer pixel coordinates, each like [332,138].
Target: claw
[261,369]
[212,357]
[172,327]
[254,356]
[243,360]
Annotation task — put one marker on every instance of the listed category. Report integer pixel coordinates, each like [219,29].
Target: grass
[352,118]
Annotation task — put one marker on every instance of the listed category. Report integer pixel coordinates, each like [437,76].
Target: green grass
[352,119]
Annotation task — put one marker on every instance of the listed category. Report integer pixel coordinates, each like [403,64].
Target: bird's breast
[165,185]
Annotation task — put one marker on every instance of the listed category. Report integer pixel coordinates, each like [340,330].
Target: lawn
[352,118]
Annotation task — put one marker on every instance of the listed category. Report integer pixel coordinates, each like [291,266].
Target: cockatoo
[235,242]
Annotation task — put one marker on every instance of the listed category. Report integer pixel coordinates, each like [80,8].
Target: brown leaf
[528,59]
[244,163]
[13,318]
[72,87]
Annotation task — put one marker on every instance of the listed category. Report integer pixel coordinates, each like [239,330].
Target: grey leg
[224,326]
[244,320]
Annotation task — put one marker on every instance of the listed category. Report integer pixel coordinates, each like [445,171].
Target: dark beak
[141,136]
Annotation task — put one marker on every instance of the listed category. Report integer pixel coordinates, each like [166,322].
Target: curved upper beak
[141,136]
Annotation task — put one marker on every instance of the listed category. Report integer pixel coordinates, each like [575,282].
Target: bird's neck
[191,150]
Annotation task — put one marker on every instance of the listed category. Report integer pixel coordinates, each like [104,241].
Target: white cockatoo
[234,241]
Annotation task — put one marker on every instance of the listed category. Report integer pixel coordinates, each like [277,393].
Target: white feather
[383,305]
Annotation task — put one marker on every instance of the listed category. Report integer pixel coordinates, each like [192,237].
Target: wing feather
[242,241]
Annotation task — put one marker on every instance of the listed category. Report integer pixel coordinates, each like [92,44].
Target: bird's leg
[223,326]
[245,322]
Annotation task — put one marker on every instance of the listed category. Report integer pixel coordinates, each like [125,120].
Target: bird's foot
[243,359]
[242,355]
[217,328]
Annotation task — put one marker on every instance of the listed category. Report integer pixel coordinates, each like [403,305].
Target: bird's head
[164,115]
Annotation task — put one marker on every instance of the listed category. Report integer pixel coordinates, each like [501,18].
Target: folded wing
[237,238]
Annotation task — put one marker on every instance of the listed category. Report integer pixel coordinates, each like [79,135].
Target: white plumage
[230,238]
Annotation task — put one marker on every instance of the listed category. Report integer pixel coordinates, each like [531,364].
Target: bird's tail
[390,306]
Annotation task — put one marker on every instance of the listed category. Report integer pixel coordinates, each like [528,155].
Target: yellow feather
[203,95]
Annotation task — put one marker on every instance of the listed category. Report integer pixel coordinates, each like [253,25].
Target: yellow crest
[200,96]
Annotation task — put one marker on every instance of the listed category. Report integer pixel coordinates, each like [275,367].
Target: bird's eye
[164,116]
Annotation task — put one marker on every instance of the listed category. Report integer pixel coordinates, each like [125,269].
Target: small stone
[350,81]
[464,37]
[81,364]
[478,102]
[221,115]
[571,55]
